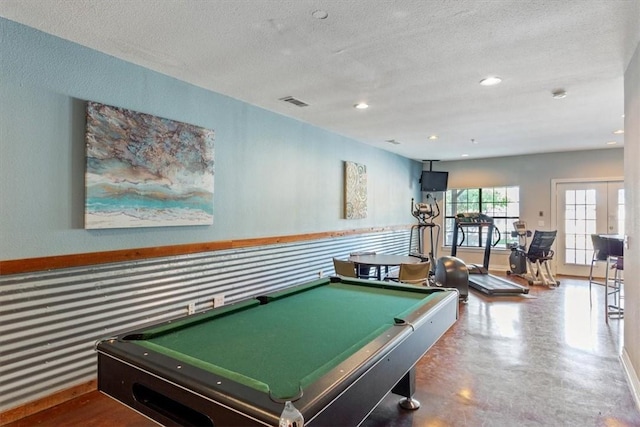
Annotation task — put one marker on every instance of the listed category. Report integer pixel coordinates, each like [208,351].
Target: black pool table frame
[174,393]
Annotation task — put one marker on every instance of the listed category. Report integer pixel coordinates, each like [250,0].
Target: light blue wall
[273,175]
[534,174]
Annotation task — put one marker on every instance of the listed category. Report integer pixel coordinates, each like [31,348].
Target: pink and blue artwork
[146,171]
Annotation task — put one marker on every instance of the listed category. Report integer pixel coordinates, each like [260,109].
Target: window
[500,203]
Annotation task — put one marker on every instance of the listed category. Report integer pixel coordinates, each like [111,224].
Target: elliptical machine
[447,271]
[425,213]
[518,258]
[532,263]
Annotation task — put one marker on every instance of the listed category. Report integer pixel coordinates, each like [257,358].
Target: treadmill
[479,277]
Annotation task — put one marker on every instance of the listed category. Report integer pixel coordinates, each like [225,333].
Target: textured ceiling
[416,62]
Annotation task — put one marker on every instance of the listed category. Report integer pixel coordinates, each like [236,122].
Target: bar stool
[600,254]
[616,294]
[614,286]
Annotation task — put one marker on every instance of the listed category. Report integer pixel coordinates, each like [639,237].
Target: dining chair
[344,268]
[414,274]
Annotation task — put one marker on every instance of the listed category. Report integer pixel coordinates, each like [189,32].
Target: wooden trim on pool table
[28,265]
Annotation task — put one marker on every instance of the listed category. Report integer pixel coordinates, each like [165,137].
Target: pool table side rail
[144,336]
[129,363]
[118,378]
[362,379]
[351,281]
[370,382]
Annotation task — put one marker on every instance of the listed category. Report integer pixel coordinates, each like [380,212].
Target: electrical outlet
[218,301]
[191,308]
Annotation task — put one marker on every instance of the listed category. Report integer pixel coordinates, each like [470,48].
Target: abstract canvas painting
[146,171]
[355,190]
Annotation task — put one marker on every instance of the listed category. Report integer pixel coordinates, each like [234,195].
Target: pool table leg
[406,387]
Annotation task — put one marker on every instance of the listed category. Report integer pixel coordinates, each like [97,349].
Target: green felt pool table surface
[334,346]
[292,340]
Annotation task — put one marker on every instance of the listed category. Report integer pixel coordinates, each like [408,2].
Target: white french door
[582,209]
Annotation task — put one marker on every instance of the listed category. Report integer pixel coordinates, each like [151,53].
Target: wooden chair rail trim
[28,265]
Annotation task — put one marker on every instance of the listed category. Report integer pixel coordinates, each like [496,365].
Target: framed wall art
[146,171]
[355,190]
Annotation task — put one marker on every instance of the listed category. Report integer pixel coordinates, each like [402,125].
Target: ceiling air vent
[296,102]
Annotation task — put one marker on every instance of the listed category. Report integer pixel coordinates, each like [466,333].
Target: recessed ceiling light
[559,94]
[320,14]
[490,81]
[612,142]
[623,116]
[618,132]
[361,106]
[464,155]
[433,137]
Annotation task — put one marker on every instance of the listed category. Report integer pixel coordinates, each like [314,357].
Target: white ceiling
[416,62]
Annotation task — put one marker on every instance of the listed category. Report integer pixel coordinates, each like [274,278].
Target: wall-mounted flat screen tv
[434,181]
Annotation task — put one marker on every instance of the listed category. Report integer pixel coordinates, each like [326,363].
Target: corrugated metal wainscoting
[50,320]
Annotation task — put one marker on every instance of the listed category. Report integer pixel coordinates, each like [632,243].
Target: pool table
[335,347]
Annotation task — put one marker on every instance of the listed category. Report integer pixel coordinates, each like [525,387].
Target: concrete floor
[542,359]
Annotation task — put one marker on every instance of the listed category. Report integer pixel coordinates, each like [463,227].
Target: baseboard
[46,402]
[632,376]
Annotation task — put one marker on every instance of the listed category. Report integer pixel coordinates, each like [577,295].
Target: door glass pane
[570,240]
[581,228]
[579,224]
[585,208]
[581,257]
